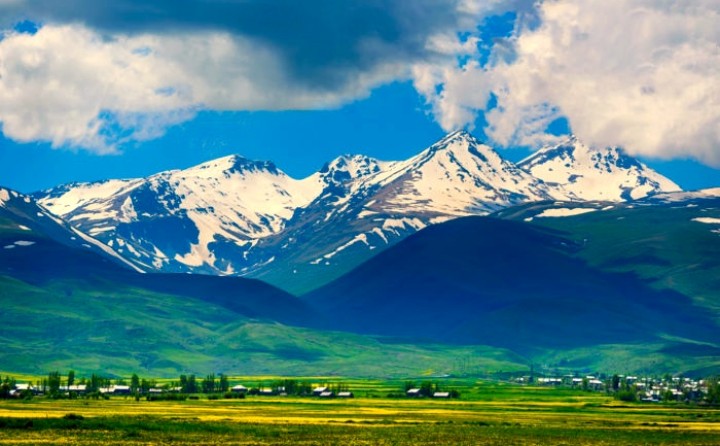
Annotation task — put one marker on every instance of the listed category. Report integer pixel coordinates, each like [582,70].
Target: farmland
[486,413]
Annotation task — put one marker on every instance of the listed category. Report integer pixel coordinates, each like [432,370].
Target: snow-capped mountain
[186,220]
[583,173]
[380,203]
[456,176]
[23,221]
[241,217]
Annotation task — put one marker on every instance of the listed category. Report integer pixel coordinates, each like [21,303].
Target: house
[550,381]
[20,388]
[119,390]
[345,395]
[441,395]
[415,392]
[78,389]
[266,391]
[318,390]
[327,394]
[155,391]
[239,389]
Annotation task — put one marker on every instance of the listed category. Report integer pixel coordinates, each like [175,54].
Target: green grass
[487,413]
[119,330]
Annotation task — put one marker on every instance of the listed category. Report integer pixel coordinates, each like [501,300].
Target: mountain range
[576,258]
[233,216]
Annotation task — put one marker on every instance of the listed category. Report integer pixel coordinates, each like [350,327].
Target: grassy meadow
[486,413]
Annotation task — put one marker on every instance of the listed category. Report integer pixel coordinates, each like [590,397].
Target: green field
[486,413]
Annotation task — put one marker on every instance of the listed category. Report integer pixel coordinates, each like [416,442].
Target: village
[634,388]
[627,388]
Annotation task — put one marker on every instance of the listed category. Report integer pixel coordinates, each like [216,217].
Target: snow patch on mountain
[357,239]
[564,212]
[4,196]
[24,243]
[707,220]
[672,197]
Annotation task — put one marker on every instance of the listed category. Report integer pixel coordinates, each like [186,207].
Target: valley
[487,413]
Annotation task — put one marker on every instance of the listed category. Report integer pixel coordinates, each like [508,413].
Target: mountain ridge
[234,216]
[595,174]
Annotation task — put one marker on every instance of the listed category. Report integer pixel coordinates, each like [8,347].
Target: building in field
[415,392]
[318,390]
[239,389]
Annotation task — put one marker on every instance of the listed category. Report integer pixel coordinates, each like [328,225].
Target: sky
[93,90]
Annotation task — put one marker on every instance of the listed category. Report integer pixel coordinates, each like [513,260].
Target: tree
[531,380]
[54,381]
[713,391]
[208,384]
[188,384]
[146,385]
[626,395]
[224,385]
[668,395]
[71,378]
[615,383]
[7,385]
[134,383]
[427,388]
[94,383]
[585,384]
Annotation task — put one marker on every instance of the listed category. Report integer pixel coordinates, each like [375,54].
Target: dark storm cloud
[322,42]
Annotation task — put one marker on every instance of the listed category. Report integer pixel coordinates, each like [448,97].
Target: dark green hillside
[504,283]
[131,330]
[65,307]
[660,242]
[48,264]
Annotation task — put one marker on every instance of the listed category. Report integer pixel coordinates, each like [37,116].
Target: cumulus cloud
[72,86]
[642,74]
[97,74]
[321,42]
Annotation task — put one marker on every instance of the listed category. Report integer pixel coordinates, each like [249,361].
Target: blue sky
[125,90]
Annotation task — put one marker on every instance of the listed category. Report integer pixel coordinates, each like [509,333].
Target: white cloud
[121,78]
[71,86]
[642,74]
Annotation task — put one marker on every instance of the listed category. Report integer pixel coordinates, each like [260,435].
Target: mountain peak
[236,164]
[595,174]
[461,144]
[458,136]
[349,167]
